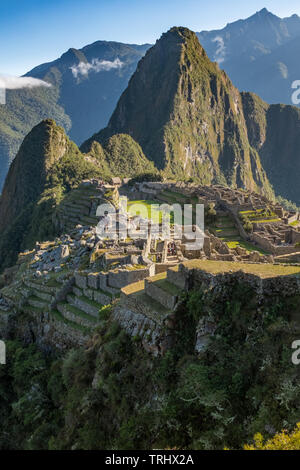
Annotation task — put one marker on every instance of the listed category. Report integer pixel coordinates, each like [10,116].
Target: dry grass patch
[262,270]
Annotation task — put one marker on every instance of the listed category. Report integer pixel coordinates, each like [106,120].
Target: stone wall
[267,245]
[123,277]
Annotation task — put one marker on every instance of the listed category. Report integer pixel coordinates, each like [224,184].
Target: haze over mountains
[180,117]
[86,85]
[259,54]
[191,121]
[186,115]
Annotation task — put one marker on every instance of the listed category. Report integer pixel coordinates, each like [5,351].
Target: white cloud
[221,49]
[83,68]
[14,83]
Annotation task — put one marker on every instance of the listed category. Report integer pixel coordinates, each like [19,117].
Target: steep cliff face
[46,167]
[274,131]
[44,145]
[187,116]
[228,375]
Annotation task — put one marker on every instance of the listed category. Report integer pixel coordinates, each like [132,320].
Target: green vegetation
[288,205]
[260,216]
[69,99]
[149,209]
[125,157]
[114,395]
[46,168]
[224,228]
[24,109]
[263,270]
[243,244]
[174,124]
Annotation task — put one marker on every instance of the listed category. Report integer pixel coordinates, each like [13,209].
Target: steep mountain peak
[264,12]
[73,56]
[258,16]
[182,35]
[264,15]
[186,115]
[41,148]
[181,31]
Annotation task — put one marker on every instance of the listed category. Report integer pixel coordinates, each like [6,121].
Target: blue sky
[37,31]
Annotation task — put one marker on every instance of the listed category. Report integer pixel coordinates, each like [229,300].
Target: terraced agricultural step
[72,325]
[34,301]
[70,219]
[134,298]
[70,213]
[30,309]
[43,296]
[227,232]
[146,305]
[85,304]
[76,315]
[98,295]
[38,286]
[76,209]
[90,220]
[78,203]
[175,277]
[163,292]
[167,199]
[172,259]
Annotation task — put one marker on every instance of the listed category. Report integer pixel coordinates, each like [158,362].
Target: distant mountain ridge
[258,53]
[187,116]
[80,102]
[88,94]
[192,122]
[179,114]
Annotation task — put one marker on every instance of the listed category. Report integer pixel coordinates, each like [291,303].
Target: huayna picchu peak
[150,278]
[190,120]
[187,116]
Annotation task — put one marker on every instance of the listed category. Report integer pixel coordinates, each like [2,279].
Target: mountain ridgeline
[258,53]
[193,123]
[180,117]
[47,167]
[86,85]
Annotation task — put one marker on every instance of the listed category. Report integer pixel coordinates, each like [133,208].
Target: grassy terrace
[174,196]
[139,286]
[243,244]
[147,210]
[260,216]
[225,229]
[58,316]
[263,270]
[167,286]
